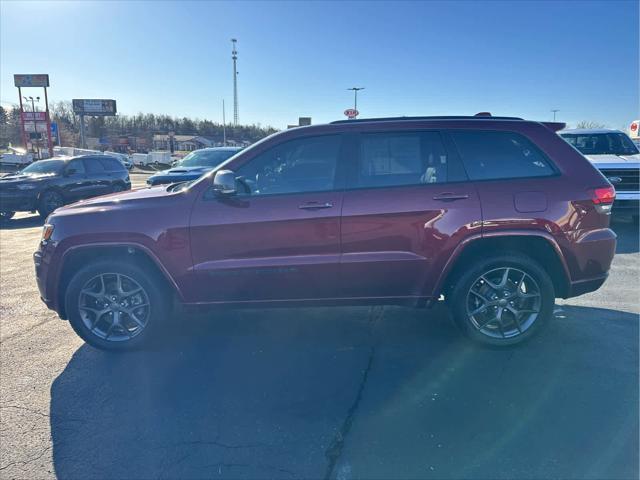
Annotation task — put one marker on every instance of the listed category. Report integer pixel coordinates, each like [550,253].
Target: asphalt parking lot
[320,393]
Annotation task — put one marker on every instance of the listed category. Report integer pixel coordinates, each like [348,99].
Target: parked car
[499,215]
[49,184]
[194,165]
[618,158]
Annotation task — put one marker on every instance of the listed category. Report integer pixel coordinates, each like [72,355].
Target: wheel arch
[76,257]
[539,246]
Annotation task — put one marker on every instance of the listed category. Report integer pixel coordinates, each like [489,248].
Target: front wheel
[49,201]
[118,187]
[502,300]
[114,305]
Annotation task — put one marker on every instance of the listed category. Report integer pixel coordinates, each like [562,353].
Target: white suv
[617,157]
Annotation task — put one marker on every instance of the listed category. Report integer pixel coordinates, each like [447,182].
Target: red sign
[37,116]
[634,127]
[351,112]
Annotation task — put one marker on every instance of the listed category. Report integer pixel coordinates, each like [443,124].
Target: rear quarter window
[490,155]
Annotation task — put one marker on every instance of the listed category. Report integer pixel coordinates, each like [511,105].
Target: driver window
[303,165]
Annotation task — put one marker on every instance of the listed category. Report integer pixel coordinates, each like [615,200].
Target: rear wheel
[118,187]
[49,201]
[502,300]
[113,305]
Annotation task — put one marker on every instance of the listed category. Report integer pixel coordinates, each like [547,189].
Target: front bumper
[18,201]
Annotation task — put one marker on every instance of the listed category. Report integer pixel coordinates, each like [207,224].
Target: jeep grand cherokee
[497,215]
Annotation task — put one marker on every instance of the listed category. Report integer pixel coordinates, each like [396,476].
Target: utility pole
[355,96]
[234,56]
[224,126]
[82,142]
[555,110]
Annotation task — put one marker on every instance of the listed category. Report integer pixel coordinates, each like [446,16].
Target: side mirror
[224,182]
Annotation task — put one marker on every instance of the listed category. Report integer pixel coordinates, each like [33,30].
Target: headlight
[47,231]
[26,186]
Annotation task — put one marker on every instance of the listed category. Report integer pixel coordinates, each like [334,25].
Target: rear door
[406,207]
[279,237]
[517,183]
[98,176]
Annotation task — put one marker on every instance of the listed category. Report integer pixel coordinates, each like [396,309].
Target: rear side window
[391,159]
[111,164]
[493,155]
[93,165]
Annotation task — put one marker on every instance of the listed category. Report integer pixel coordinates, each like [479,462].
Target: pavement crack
[28,460]
[216,443]
[334,451]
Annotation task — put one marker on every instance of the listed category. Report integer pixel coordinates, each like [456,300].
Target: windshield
[206,158]
[45,167]
[614,143]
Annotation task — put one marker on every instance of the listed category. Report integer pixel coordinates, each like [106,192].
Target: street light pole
[355,96]
[555,110]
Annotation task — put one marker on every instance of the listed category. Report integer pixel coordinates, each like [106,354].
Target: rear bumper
[586,286]
[590,257]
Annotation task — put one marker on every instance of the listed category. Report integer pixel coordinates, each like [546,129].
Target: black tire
[6,216]
[117,187]
[158,300]
[459,297]
[49,201]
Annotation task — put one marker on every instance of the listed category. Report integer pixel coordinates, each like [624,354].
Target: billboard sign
[634,129]
[38,80]
[94,107]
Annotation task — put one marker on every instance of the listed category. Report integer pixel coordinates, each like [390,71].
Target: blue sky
[296,59]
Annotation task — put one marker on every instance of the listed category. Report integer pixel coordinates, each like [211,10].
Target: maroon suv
[497,215]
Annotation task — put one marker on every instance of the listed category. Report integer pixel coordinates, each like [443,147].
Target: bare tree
[590,125]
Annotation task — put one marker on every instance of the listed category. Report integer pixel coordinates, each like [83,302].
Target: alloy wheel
[52,201]
[114,307]
[504,302]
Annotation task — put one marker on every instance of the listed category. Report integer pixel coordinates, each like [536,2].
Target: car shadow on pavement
[362,392]
[22,222]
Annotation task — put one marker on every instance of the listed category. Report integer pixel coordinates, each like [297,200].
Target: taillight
[604,196]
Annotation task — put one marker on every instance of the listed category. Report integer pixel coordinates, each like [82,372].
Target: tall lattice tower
[234,56]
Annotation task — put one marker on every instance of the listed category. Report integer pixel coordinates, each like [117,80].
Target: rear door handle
[450,197]
[315,205]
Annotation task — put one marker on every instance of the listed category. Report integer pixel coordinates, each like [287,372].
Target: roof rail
[439,117]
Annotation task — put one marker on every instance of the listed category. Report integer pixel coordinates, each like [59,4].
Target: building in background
[302,122]
[183,143]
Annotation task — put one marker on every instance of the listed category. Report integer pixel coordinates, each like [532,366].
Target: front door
[406,206]
[77,184]
[278,238]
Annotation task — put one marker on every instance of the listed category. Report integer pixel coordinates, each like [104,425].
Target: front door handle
[450,197]
[315,205]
